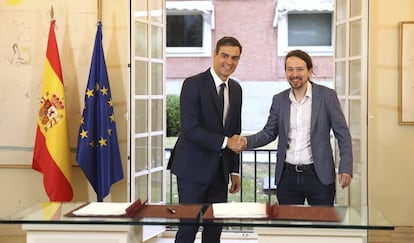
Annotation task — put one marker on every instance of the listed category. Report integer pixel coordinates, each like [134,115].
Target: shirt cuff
[224,145]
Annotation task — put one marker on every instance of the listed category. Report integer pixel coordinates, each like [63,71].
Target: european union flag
[98,149]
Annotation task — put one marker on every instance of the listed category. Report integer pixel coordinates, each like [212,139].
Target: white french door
[147,118]
[350,81]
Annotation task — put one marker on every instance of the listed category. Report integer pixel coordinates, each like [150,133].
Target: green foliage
[173,115]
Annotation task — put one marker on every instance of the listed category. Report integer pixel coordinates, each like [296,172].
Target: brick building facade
[251,22]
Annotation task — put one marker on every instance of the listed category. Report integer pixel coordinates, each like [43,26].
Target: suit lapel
[316,104]
[232,98]
[286,113]
[211,87]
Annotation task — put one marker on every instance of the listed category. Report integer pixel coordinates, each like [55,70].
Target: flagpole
[99,10]
[52,14]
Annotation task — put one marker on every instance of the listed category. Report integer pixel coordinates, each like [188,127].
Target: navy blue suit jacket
[326,115]
[197,152]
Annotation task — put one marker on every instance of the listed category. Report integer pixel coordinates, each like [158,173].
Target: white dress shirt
[218,82]
[299,150]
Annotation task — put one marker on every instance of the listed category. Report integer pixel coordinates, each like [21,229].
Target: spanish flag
[51,150]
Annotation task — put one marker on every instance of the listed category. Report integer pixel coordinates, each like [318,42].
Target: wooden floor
[401,234]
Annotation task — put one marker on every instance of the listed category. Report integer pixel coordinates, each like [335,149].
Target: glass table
[51,222]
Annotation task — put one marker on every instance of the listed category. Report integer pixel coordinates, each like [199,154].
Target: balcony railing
[256,174]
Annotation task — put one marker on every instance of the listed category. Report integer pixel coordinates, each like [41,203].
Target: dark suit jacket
[198,150]
[326,115]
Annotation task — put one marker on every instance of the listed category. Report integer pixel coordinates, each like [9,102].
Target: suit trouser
[190,193]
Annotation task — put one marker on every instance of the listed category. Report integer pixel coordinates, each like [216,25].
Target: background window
[189,25]
[307,30]
[185,30]
[311,29]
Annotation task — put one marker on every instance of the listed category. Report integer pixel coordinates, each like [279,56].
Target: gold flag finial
[52,14]
[99,10]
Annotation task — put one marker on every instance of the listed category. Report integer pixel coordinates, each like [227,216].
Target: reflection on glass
[340,9]
[141,116]
[141,154]
[156,38]
[355,38]
[355,77]
[141,9]
[340,41]
[355,117]
[156,187]
[157,78]
[141,37]
[156,13]
[356,7]
[157,152]
[141,76]
[340,78]
[141,187]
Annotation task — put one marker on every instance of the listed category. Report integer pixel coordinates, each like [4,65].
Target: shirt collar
[216,78]
[308,93]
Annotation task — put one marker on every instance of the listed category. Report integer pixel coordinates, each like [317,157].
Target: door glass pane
[343,105]
[171,182]
[156,187]
[141,154]
[340,9]
[141,36]
[141,76]
[141,11]
[156,13]
[141,116]
[157,154]
[141,187]
[340,78]
[355,38]
[355,77]
[341,195]
[156,78]
[157,115]
[356,150]
[156,38]
[355,117]
[355,192]
[340,42]
[356,8]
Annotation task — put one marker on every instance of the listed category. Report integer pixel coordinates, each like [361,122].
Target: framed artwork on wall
[406,74]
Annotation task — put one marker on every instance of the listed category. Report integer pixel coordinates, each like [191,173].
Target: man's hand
[235,184]
[237,143]
[344,179]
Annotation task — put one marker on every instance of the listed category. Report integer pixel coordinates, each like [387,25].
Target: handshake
[237,143]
